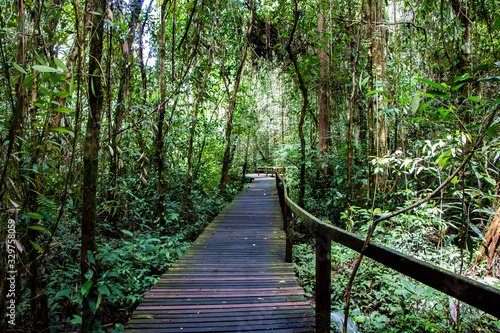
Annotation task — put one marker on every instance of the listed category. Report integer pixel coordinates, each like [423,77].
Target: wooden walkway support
[233,278]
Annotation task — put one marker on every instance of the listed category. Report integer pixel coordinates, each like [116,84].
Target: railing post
[323,282]
[288,229]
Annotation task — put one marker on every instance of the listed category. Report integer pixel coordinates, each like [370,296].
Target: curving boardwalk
[233,278]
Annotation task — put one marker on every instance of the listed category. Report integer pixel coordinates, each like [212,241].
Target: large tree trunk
[121,103]
[226,162]
[91,165]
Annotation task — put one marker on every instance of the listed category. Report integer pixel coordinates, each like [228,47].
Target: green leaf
[63,110]
[28,81]
[61,65]
[431,83]
[477,231]
[63,293]
[62,94]
[36,227]
[37,247]
[35,216]
[128,233]
[19,68]
[86,287]
[90,256]
[63,130]
[77,320]
[415,103]
[490,180]
[496,25]
[373,92]
[45,69]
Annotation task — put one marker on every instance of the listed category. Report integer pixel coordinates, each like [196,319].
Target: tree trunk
[379,41]
[324,100]
[226,162]
[352,108]
[91,165]
[305,104]
[194,122]
[121,108]
[371,103]
[160,206]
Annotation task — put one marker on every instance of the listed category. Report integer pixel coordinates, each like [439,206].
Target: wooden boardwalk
[233,278]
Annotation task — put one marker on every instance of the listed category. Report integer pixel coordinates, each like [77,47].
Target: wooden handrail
[477,294]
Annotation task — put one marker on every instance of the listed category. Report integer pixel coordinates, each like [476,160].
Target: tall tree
[323,98]
[121,103]
[226,162]
[88,268]
[305,105]
[160,205]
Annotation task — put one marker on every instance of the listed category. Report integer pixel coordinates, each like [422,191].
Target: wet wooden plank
[234,278]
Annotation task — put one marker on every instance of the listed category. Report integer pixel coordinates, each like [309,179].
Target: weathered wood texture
[233,278]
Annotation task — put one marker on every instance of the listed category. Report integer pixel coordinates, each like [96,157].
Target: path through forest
[233,278]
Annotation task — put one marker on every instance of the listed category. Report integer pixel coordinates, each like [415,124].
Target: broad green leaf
[386,100]
[37,247]
[431,83]
[60,64]
[77,320]
[28,81]
[90,256]
[19,68]
[36,227]
[128,233]
[496,25]
[477,231]
[484,67]
[62,293]
[415,103]
[35,216]
[86,287]
[490,180]
[45,69]
[373,92]
[63,110]
[63,130]
[62,94]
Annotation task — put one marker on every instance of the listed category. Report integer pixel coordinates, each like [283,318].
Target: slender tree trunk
[91,166]
[352,110]
[194,122]
[245,164]
[324,100]
[371,103]
[144,77]
[226,162]
[305,104]
[121,103]
[160,206]
[379,41]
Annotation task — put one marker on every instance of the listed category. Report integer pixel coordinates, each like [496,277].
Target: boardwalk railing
[267,170]
[479,295]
